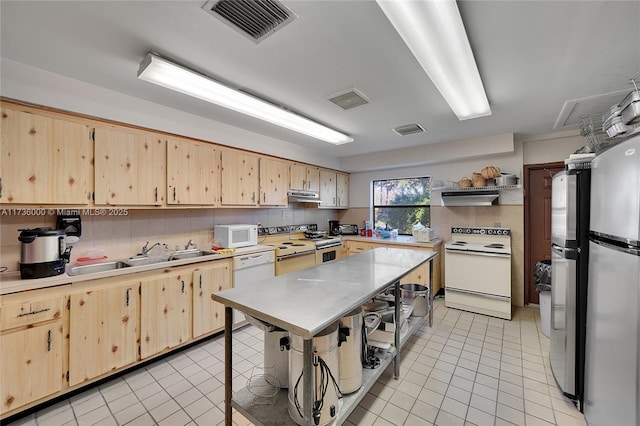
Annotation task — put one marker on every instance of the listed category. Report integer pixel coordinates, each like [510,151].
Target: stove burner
[298,245]
[495,245]
[283,247]
[288,243]
[459,243]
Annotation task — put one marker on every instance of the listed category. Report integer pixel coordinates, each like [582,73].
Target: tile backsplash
[124,236]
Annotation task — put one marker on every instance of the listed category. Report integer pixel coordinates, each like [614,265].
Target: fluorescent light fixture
[175,77]
[434,32]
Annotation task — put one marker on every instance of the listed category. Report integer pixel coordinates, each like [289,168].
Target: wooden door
[193,172]
[31,366]
[537,229]
[44,160]
[103,331]
[130,167]
[342,190]
[239,176]
[274,181]
[208,316]
[327,188]
[165,313]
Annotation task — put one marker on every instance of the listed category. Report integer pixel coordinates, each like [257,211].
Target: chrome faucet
[146,249]
[189,244]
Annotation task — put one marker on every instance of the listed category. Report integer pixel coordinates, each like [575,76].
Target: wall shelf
[475,189]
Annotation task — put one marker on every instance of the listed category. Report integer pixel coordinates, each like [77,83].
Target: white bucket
[545,312]
[325,345]
[350,351]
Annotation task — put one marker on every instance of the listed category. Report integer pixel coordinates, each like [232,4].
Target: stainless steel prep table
[306,302]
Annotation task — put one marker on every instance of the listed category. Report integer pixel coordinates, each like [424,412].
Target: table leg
[228,385]
[308,383]
[431,292]
[396,334]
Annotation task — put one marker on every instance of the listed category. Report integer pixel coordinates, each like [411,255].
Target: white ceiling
[533,56]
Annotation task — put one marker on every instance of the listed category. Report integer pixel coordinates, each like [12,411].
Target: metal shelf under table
[278,414]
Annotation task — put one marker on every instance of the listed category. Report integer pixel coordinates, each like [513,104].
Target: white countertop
[10,282]
[307,301]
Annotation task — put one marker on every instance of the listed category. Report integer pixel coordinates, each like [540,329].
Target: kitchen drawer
[18,314]
[359,247]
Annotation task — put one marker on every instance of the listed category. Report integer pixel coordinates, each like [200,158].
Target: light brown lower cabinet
[165,312]
[103,330]
[208,316]
[85,331]
[31,366]
[421,274]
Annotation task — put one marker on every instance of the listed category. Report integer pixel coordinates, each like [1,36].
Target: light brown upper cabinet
[305,177]
[342,190]
[239,178]
[327,188]
[130,167]
[274,181]
[193,172]
[44,160]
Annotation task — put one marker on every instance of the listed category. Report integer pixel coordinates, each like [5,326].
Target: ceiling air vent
[349,99]
[409,129]
[256,19]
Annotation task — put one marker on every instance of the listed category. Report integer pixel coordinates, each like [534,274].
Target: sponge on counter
[222,250]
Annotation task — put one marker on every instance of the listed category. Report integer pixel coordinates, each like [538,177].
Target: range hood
[304,197]
[469,198]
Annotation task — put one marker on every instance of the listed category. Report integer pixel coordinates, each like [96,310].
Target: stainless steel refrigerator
[569,268]
[613,321]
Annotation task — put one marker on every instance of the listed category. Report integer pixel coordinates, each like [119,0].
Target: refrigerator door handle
[567,253]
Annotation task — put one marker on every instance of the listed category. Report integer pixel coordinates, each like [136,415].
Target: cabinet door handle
[264,197]
[156,194]
[183,286]
[128,292]
[174,193]
[304,184]
[200,281]
[253,197]
[49,341]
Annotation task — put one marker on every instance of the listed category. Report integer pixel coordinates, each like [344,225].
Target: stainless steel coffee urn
[350,351]
[43,252]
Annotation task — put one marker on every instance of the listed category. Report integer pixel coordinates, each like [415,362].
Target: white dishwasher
[248,269]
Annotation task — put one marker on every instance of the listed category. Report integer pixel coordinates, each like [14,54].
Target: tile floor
[467,370]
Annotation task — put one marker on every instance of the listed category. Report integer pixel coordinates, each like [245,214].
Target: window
[401,203]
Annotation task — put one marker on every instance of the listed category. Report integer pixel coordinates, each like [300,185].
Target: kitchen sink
[146,260]
[187,254]
[98,267]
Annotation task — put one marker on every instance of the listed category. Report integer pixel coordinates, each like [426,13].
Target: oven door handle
[477,253]
[289,256]
[477,293]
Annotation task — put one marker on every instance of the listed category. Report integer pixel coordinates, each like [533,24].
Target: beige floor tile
[448,419]
[479,417]
[403,400]
[394,414]
[510,414]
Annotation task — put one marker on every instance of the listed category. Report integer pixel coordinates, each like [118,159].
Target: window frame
[373,206]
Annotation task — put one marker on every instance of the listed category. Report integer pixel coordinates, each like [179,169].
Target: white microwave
[231,236]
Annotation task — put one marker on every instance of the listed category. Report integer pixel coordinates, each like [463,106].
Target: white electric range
[295,251]
[478,270]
